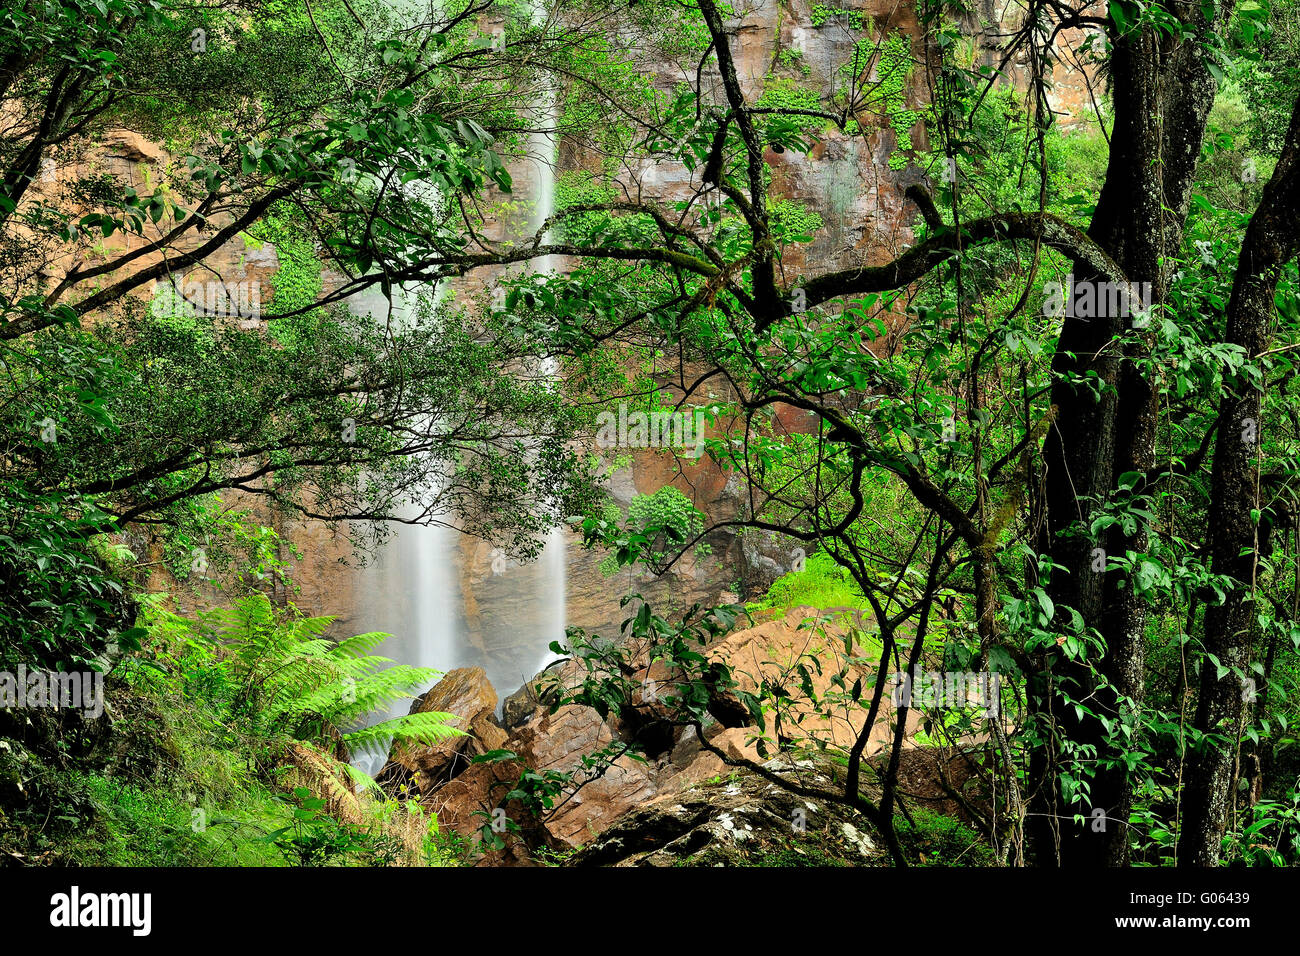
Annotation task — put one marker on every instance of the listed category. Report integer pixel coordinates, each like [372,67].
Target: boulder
[521,706]
[740,820]
[551,742]
[774,650]
[558,742]
[468,804]
[466,693]
[487,733]
[541,692]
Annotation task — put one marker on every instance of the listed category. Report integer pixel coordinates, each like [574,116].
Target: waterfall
[411,592]
[418,588]
[410,589]
[544,150]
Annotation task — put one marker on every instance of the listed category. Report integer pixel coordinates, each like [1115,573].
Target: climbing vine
[793,221]
[581,186]
[782,93]
[821,13]
[297,282]
[888,96]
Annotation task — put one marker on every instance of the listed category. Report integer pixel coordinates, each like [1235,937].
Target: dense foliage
[1093,499]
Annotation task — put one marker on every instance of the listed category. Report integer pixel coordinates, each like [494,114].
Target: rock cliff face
[853,183]
[847,183]
[234,283]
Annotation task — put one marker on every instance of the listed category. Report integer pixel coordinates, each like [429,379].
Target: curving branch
[946,242]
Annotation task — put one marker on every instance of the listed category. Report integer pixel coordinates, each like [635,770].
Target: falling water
[417,590]
[543,149]
[410,589]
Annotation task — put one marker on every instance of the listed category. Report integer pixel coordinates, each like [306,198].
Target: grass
[139,827]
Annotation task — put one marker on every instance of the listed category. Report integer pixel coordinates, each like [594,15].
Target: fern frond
[362,780]
[288,679]
[321,773]
[316,647]
[430,727]
[359,644]
[309,627]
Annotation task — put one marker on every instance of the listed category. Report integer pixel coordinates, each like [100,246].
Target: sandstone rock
[773,651]
[699,769]
[558,742]
[742,819]
[487,733]
[551,742]
[128,145]
[521,706]
[538,693]
[467,804]
[686,747]
[738,743]
[690,765]
[466,693]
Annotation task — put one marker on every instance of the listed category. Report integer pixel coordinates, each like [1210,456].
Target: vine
[821,13]
[297,282]
[894,62]
[657,524]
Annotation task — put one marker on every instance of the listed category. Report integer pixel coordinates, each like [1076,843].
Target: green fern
[286,679]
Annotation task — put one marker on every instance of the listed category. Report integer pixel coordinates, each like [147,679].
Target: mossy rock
[742,820]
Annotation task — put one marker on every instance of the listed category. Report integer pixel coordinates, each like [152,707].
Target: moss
[811,850]
[821,583]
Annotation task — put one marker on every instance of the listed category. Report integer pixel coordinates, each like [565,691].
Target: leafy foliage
[275,675]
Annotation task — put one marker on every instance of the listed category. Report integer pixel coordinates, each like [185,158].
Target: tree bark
[1272,239]
[1162,96]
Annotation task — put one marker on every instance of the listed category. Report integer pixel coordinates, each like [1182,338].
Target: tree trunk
[1272,238]
[1162,96]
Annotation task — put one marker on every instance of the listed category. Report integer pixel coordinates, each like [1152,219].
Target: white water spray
[544,149]
[415,590]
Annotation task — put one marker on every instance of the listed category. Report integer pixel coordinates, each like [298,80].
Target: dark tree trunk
[1162,96]
[1272,238]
